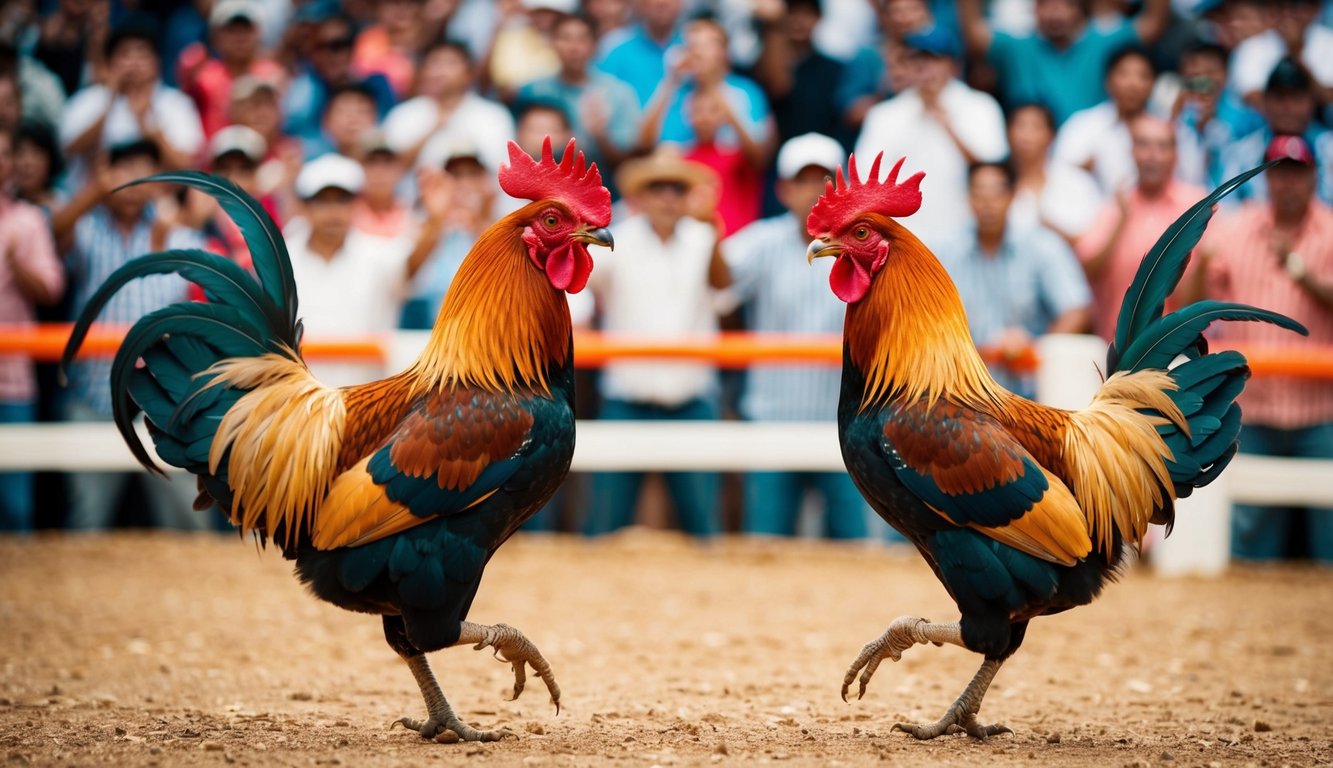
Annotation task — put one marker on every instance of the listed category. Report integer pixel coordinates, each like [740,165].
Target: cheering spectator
[523,49]
[37,165]
[234,33]
[1015,284]
[30,274]
[390,46]
[71,39]
[610,20]
[1047,193]
[1295,33]
[1279,254]
[235,154]
[876,72]
[766,260]
[639,54]
[349,115]
[1128,225]
[802,83]
[1209,118]
[1063,62]
[328,67]
[941,126]
[1096,139]
[133,105]
[1288,108]
[604,110]
[378,211]
[99,233]
[447,109]
[669,289]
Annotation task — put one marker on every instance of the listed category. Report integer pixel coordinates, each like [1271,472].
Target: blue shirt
[1031,69]
[743,96]
[100,248]
[782,294]
[308,95]
[638,60]
[433,281]
[1032,280]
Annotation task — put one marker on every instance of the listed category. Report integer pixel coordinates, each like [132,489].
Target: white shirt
[900,127]
[1253,60]
[484,123]
[1098,135]
[650,289]
[170,111]
[359,292]
[1068,202]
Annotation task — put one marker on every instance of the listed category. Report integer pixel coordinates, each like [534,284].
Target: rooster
[390,496]
[1020,509]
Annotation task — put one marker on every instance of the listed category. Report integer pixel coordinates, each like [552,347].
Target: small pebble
[1053,738]
[1262,727]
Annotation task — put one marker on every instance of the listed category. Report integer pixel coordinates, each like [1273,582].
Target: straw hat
[664,164]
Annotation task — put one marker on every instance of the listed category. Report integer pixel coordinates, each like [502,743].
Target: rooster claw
[902,634]
[451,730]
[514,648]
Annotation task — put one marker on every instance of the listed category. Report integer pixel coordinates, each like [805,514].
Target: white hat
[568,7]
[331,170]
[225,11]
[444,147]
[238,138]
[801,152]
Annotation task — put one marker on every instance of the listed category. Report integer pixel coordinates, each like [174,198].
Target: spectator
[538,119]
[234,28]
[255,104]
[1016,285]
[1047,193]
[604,110]
[740,183]
[875,73]
[941,126]
[38,97]
[1279,254]
[100,232]
[1062,63]
[348,116]
[523,49]
[390,46]
[639,54]
[1129,224]
[446,109]
[329,66]
[610,21]
[1096,139]
[30,274]
[766,261]
[670,289]
[378,211]
[1232,22]
[71,39]
[1295,33]
[235,154]
[1288,108]
[1209,118]
[133,105]
[801,82]
[351,283]
[37,165]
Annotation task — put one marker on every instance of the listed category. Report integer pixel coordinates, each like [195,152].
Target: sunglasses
[337,44]
[674,187]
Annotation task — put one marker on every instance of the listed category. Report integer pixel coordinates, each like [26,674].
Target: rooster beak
[820,248]
[598,236]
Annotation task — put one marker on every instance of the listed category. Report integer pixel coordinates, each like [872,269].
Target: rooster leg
[962,714]
[903,633]
[442,724]
[512,647]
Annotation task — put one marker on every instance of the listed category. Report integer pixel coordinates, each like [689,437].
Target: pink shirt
[1244,266]
[211,86]
[1147,220]
[25,239]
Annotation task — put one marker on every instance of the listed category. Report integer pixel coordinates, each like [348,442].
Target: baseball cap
[376,141]
[1289,75]
[331,170]
[226,11]
[801,152]
[1294,148]
[934,40]
[444,148]
[238,138]
[246,86]
[568,7]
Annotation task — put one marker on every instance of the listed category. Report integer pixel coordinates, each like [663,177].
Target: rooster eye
[551,221]
[861,233]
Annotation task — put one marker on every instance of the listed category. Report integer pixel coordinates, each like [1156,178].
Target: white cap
[226,10]
[443,147]
[331,170]
[238,138]
[806,150]
[568,7]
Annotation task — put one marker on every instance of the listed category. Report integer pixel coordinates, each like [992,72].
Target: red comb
[842,201]
[574,181]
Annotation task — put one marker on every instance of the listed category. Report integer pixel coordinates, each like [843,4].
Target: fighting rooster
[390,496]
[1020,509]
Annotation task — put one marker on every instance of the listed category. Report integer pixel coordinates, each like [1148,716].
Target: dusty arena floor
[155,649]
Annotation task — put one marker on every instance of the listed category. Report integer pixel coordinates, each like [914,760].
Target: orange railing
[592,350]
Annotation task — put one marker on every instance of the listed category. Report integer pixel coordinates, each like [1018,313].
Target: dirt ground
[159,649]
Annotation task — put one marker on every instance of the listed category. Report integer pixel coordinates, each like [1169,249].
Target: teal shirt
[1030,69]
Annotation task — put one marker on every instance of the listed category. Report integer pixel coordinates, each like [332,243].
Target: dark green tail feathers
[1208,383]
[242,317]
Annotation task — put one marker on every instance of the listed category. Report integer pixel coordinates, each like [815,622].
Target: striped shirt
[781,294]
[1243,266]
[100,247]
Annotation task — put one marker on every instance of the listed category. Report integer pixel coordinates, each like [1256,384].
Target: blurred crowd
[1059,139]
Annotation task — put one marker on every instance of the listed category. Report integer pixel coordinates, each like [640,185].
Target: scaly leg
[441,723]
[962,714]
[512,647]
[903,633]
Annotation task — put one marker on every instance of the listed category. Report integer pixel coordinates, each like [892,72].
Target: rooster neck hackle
[502,324]
[909,334]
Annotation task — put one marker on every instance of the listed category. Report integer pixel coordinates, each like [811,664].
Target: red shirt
[741,192]
[211,86]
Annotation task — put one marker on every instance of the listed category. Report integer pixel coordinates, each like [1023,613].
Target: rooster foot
[954,721]
[450,730]
[515,649]
[903,633]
